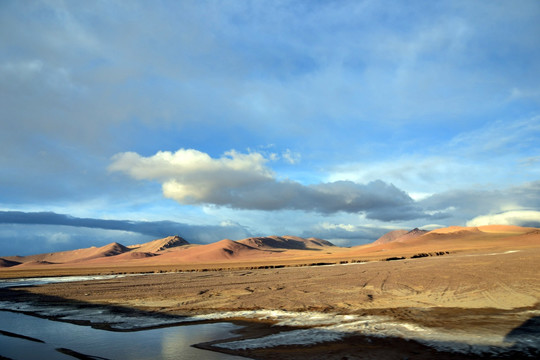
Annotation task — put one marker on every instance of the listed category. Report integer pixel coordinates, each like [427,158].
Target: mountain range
[398,244]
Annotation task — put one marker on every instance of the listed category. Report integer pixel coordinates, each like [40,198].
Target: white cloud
[291,157]
[431,226]
[346,227]
[514,217]
[243,181]
[191,176]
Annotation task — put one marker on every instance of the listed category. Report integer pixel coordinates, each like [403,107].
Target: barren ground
[477,290]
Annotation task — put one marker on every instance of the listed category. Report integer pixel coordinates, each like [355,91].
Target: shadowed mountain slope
[390,236]
[286,242]
[160,244]
[7,263]
[399,236]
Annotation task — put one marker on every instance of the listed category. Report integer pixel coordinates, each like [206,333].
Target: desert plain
[457,292]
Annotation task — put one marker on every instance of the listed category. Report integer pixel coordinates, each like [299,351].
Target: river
[163,343]
[29,337]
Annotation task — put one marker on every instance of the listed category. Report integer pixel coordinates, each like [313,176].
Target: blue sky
[127,121]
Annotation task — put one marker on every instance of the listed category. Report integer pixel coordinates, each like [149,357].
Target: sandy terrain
[504,280]
[457,279]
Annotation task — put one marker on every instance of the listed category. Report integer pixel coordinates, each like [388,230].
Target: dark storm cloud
[465,205]
[479,201]
[157,229]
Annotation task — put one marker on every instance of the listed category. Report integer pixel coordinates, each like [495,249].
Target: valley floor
[491,293]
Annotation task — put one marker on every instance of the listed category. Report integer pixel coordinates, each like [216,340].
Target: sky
[129,121]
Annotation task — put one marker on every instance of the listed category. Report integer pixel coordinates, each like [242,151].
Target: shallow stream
[163,343]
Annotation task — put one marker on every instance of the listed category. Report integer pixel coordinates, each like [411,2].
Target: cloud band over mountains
[156,229]
[243,181]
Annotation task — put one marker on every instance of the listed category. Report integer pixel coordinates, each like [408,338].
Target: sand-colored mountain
[390,236]
[221,251]
[453,239]
[73,255]
[275,250]
[160,244]
[399,236]
[286,242]
[170,250]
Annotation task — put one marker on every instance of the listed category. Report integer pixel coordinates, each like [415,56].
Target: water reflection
[166,343]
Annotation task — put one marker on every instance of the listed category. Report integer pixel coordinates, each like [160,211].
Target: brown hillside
[73,255]
[34,264]
[399,236]
[505,229]
[454,239]
[390,236]
[285,242]
[281,250]
[8,263]
[219,251]
[160,244]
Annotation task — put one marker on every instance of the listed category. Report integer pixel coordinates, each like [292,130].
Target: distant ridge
[108,250]
[390,236]
[160,244]
[285,242]
[219,251]
[399,236]
[413,234]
